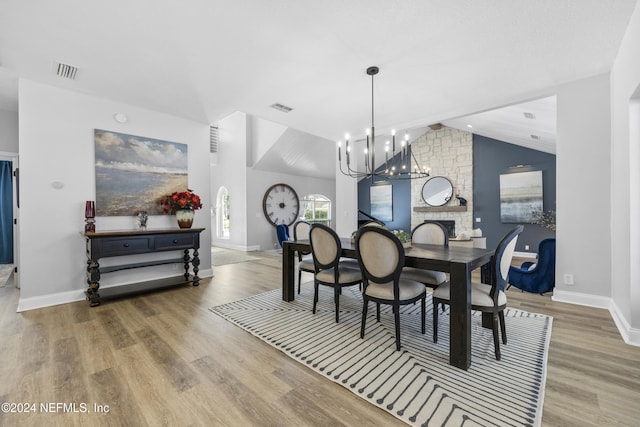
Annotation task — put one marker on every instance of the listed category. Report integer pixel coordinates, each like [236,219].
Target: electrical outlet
[478,219]
[568,279]
[526,247]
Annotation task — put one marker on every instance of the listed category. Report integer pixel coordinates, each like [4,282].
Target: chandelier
[397,164]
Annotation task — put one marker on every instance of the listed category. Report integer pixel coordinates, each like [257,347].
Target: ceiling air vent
[281,107]
[536,137]
[66,71]
[213,139]
[528,115]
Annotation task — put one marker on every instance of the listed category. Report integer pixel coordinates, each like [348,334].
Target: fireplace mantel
[440,209]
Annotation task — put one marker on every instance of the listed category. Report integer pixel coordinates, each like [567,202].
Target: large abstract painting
[134,172]
[520,196]
[382,202]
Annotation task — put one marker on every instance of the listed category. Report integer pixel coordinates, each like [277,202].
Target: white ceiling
[440,60]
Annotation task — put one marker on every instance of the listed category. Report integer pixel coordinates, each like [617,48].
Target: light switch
[478,219]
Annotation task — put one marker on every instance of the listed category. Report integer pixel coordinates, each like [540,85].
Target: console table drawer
[176,241]
[114,247]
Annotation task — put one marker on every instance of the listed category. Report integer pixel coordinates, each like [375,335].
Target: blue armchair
[539,277]
[282,231]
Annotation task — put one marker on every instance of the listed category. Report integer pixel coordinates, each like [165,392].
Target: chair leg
[423,313]
[365,306]
[396,309]
[337,290]
[496,340]
[299,279]
[502,327]
[435,321]
[378,311]
[315,296]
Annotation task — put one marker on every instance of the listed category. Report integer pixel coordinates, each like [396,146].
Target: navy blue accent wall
[491,158]
[401,202]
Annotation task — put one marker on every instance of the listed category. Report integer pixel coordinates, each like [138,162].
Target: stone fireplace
[449,153]
[450,225]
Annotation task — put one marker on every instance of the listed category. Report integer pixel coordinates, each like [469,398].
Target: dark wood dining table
[459,262]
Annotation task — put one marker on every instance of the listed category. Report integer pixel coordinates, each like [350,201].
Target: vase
[184,217]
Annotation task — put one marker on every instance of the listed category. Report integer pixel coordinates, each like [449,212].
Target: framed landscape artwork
[134,172]
[520,197]
[381,197]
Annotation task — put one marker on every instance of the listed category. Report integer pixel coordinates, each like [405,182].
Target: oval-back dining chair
[381,257]
[328,271]
[484,297]
[432,233]
[305,259]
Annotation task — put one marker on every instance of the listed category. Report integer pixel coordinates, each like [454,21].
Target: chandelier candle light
[398,167]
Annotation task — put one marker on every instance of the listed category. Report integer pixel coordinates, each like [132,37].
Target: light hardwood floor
[164,359]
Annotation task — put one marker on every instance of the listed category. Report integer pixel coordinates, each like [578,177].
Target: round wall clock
[281,204]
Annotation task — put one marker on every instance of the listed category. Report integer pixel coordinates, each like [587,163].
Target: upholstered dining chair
[353,263]
[484,297]
[432,233]
[328,271]
[305,259]
[381,257]
[374,224]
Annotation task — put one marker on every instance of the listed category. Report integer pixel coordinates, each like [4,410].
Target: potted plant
[182,204]
[404,237]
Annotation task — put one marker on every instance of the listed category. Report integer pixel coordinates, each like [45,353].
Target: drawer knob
[126,245]
[175,240]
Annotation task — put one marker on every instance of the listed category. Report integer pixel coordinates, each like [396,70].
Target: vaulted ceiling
[449,61]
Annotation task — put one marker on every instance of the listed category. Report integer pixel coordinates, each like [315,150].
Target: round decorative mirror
[437,191]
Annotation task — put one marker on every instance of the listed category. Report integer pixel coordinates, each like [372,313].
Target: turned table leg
[195,262]
[93,280]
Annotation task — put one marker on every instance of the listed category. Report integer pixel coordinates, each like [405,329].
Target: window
[316,208]
[223,223]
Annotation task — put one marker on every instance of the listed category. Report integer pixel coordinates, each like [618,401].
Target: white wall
[583,187]
[56,144]
[249,228]
[265,134]
[261,232]
[230,172]
[8,131]
[625,183]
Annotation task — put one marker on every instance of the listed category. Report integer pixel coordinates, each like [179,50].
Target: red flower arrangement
[181,200]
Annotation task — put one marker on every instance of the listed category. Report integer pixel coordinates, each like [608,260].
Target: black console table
[105,244]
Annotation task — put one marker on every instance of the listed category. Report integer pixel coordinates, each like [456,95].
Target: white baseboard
[236,247]
[581,299]
[32,303]
[525,255]
[630,335]
[42,301]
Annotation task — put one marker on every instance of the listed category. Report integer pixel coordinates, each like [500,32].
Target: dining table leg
[288,266]
[460,316]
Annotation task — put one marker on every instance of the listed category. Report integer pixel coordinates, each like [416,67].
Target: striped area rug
[417,384]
